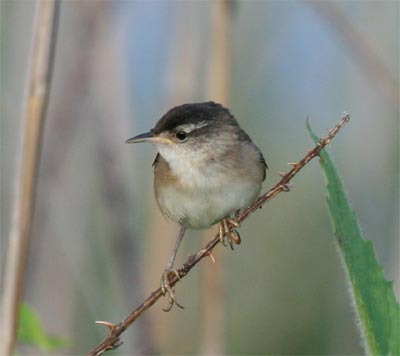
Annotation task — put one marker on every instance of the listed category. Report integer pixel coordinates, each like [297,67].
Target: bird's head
[191,130]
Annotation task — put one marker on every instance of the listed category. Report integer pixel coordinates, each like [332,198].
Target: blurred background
[99,243]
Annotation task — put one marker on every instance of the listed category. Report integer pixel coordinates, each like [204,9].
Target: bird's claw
[227,232]
[167,289]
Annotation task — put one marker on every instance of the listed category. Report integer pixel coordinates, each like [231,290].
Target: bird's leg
[227,230]
[169,270]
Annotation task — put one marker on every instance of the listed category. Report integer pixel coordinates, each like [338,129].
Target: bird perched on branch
[206,169]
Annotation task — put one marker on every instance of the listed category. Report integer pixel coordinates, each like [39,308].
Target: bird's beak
[148,137]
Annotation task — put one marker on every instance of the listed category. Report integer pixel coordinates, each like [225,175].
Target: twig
[112,340]
[35,112]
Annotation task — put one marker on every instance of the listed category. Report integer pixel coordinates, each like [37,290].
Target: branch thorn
[286,187]
[211,256]
[111,326]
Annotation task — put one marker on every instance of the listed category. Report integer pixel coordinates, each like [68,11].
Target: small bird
[206,169]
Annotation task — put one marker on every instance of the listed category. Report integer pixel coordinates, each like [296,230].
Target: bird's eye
[181,135]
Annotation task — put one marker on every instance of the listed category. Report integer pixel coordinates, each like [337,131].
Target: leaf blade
[373,296]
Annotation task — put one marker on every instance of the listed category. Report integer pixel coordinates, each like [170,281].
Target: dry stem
[36,104]
[112,340]
[219,82]
[360,48]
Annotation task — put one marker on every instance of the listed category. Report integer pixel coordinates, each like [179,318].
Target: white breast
[206,193]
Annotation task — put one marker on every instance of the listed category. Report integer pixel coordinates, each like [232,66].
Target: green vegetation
[31,332]
[373,295]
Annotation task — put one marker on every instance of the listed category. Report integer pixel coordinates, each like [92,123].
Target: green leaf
[373,295]
[31,332]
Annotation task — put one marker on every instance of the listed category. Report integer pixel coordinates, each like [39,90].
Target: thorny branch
[112,340]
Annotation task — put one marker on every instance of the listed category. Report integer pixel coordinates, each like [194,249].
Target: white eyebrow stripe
[191,127]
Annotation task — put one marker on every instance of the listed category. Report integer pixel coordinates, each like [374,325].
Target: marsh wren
[206,169]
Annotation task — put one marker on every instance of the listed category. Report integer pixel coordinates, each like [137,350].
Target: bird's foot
[227,232]
[169,290]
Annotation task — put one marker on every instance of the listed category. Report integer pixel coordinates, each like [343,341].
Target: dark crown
[193,114]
